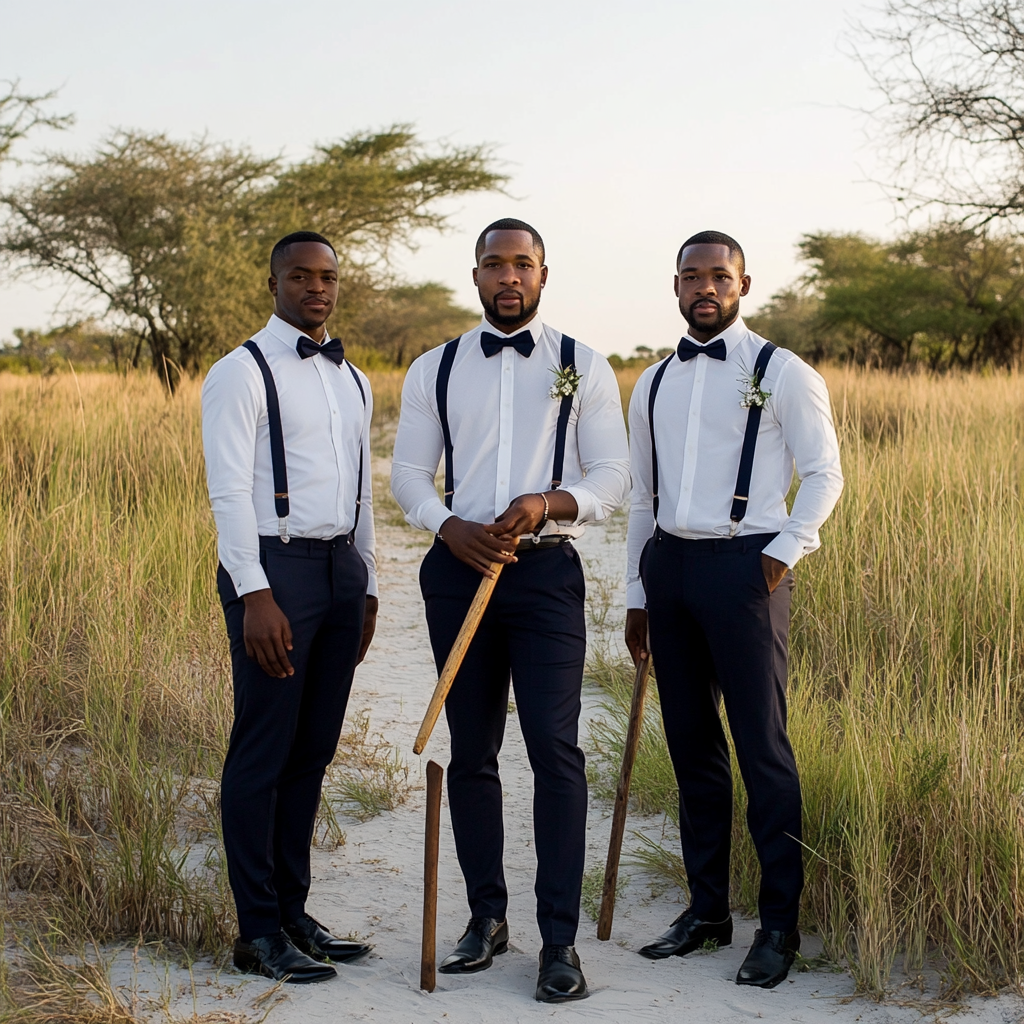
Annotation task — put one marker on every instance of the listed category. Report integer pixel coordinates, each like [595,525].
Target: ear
[675,285]
[543,276]
[475,281]
[272,285]
[744,284]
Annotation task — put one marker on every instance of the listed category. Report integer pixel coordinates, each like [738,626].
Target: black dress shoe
[769,959]
[312,938]
[560,977]
[275,957]
[483,939]
[687,933]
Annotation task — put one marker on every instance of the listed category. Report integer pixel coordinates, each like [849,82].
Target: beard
[499,319]
[726,315]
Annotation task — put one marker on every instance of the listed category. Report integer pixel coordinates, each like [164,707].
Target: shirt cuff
[250,578]
[371,583]
[786,548]
[587,509]
[635,596]
[435,517]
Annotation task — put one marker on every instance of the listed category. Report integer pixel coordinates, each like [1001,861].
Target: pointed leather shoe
[483,939]
[687,933]
[769,959]
[313,939]
[560,978]
[274,956]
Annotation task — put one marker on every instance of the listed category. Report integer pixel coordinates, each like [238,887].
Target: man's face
[509,277]
[305,288]
[709,286]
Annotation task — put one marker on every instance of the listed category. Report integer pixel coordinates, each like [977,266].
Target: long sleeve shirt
[324,423]
[503,419]
[699,426]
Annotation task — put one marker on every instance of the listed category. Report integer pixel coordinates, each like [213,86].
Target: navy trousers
[286,731]
[534,631]
[716,633]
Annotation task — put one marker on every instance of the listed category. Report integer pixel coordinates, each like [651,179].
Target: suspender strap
[653,394]
[281,505]
[739,499]
[359,476]
[568,359]
[444,372]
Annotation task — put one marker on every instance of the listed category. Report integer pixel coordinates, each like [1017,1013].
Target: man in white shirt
[286,424]
[522,461]
[710,549]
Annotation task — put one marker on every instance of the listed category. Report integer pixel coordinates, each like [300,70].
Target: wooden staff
[611,869]
[455,656]
[431,841]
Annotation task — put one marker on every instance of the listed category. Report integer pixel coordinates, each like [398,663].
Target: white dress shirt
[502,419]
[324,423]
[699,426]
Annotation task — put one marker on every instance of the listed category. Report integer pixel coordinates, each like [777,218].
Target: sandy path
[372,886]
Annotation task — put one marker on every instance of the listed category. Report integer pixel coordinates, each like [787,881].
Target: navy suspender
[655,384]
[568,359]
[742,492]
[739,499]
[277,461]
[444,372]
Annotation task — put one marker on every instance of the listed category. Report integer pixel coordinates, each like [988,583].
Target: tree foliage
[173,237]
[21,112]
[951,73]
[947,297]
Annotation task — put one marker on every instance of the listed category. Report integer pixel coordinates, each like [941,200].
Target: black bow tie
[688,349]
[333,349]
[492,344]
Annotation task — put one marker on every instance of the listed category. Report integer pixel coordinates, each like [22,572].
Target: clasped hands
[480,545]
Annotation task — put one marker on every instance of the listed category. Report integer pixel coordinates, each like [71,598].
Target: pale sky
[625,127]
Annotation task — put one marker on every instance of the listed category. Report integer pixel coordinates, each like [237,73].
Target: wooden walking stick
[611,869]
[455,656]
[431,842]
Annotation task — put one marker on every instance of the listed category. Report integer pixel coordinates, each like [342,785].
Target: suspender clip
[282,530]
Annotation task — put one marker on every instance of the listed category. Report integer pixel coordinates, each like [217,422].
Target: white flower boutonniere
[567,382]
[752,396]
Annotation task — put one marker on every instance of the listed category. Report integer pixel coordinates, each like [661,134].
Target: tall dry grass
[115,692]
[906,703]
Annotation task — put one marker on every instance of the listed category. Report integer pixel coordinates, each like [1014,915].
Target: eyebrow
[683,270]
[313,270]
[519,256]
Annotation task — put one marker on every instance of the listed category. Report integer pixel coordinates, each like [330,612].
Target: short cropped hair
[510,224]
[277,253]
[715,238]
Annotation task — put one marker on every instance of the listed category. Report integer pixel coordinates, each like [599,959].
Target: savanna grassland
[905,693]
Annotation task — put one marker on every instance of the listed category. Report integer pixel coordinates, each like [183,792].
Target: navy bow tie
[492,344]
[333,349]
[687,349]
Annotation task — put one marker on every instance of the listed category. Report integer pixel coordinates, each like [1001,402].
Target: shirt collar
[732,335]
[535,327]
[285,333]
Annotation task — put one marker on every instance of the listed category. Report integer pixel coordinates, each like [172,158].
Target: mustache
[713,302]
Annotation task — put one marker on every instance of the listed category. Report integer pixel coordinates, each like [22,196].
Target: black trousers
[716,633]
[286,731]
[533,630]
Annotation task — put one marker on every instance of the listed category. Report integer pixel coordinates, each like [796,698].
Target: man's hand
[773,570]
[478,545]
[267,633]
[526,512]
[369,626]
[636,634]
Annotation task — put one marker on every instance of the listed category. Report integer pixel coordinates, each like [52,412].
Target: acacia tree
[952,76]
[173,237]
[21,112]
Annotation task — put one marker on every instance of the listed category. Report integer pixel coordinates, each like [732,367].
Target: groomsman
[286,422]
[529,426]
[716,430]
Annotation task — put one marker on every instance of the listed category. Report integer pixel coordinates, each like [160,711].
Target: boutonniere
[567,382]
[752,397]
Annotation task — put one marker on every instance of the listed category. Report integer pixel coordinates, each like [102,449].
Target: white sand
[372,886]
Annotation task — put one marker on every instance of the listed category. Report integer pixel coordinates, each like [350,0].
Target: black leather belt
[551,540]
